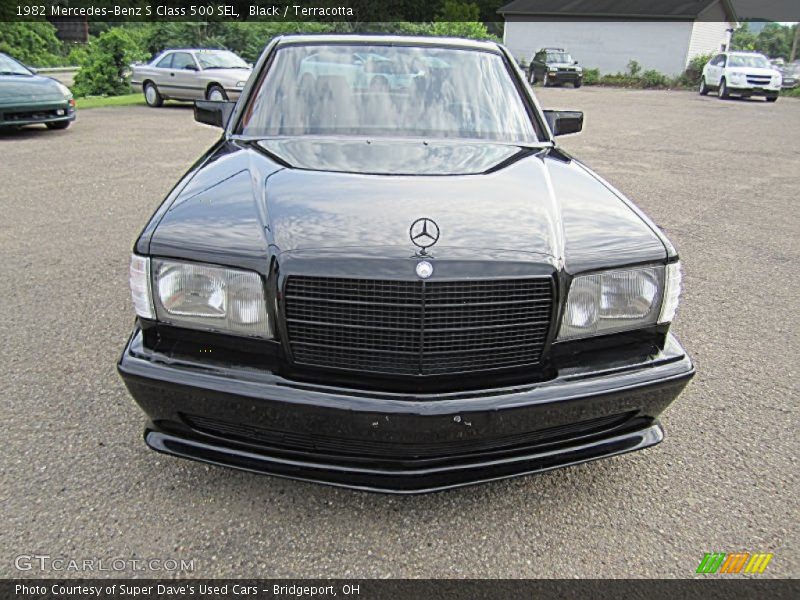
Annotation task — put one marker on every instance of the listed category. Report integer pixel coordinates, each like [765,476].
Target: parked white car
[742,73]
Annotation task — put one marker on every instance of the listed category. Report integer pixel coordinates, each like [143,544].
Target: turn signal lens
[672,292]
[139,280]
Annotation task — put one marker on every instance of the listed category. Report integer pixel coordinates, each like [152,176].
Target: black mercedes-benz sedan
[387,275]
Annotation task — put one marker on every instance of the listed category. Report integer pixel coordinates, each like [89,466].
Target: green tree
[104,68]
[33,43]
[743,38]
[459,19]
[247,39]
[775,40]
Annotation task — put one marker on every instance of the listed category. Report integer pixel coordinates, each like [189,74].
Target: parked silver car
[191,74]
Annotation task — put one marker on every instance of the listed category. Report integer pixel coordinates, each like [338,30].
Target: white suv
[742,73]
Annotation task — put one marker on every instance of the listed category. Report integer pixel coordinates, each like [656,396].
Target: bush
[591,76]
[104,67]
[620,80]
[691,76]
[653,79]
[634,78]
[76,55]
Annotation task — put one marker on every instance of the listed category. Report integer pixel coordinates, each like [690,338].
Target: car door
[723,62]
[714,71]
[532,67]
[160,73]
[184,77]
[539,65]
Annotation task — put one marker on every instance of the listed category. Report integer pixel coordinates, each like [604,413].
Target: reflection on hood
[28,88]
[390,157]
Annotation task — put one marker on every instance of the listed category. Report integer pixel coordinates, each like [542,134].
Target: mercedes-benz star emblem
[424,233]
[424,269]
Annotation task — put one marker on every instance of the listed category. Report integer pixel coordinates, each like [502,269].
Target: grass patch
[101,101]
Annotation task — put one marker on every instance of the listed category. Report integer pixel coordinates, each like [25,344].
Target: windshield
[8,66]
[754,60]
[559,57]
[391,91]
[220,59]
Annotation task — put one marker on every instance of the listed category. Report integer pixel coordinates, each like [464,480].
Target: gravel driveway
[721,178]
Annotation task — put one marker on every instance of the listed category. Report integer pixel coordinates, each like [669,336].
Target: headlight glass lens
[612,301]
[64,90]
[211,298]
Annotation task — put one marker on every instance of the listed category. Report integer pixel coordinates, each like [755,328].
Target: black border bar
[382,11]
[707,587]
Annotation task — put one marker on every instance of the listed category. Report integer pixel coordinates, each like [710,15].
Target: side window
[165,62]
[181,60]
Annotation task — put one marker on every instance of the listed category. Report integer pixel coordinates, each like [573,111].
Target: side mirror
[563,122]
[574,62]
[212,113]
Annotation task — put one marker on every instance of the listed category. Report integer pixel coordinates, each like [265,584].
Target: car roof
[403,40]
[195,50]
[742,53]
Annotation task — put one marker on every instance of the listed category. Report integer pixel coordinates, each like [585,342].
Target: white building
[606,34]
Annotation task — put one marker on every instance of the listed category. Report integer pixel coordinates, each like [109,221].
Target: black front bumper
[403,443]
[565,76]
[33,114]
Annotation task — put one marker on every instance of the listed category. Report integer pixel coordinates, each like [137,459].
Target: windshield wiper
[14,73]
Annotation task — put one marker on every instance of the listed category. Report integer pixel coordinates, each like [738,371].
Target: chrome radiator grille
[416,327]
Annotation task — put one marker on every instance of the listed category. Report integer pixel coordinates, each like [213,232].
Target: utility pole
[793,54]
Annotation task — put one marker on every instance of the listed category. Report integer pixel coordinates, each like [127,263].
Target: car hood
[241,205]
[228,74]
[22,89]
[756,71]
[348,200]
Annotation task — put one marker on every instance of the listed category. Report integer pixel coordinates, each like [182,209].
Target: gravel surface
[76,480]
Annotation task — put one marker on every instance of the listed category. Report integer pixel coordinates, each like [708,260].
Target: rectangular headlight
[612,301]
[211,298]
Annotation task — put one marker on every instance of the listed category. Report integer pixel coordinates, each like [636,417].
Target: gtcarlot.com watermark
[45,562]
